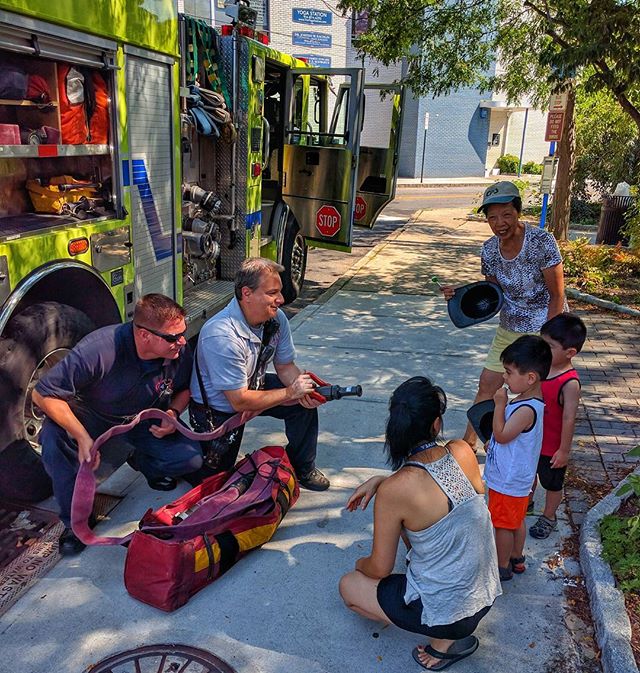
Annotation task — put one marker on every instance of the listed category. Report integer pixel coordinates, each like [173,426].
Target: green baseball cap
[500,192]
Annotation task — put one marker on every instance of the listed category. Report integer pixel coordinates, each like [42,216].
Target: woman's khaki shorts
[501,340]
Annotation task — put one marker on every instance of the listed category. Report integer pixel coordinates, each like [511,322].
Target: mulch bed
[632,601]
[577,597]
[578,604]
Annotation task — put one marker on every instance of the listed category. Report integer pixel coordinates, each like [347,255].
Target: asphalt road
[325,267]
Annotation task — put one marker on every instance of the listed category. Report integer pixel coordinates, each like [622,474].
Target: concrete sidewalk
[278,609]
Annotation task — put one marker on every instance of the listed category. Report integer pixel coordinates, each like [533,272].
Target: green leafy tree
[539,45]
[607,145]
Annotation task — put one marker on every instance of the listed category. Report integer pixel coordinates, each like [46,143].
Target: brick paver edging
[613,629]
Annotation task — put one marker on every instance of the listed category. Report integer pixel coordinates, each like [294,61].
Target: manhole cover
[162,659]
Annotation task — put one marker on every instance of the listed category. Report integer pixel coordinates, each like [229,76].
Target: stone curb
[602,303]
[613,629]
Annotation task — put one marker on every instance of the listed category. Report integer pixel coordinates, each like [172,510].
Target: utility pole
[424,144]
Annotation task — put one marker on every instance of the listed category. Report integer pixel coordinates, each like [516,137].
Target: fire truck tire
[34,340]
[294,260]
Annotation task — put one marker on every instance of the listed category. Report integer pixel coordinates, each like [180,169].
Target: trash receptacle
[612,219]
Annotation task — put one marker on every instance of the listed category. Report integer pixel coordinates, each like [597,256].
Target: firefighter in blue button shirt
[109,377]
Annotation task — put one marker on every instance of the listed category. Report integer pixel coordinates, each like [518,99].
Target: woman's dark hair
[413,409]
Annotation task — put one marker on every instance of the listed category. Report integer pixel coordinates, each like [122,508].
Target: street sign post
[424,144]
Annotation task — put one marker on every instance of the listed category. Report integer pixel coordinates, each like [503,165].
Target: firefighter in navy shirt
[109,377]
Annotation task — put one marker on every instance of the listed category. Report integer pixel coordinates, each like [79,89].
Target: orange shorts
[507,511]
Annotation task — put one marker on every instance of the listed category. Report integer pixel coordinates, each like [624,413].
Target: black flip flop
[458,650]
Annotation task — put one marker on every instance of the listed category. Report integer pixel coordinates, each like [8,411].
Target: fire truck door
[320,164]
[379,150]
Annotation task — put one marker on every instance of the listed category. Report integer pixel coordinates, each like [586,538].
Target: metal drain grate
[162,659]
[103,504]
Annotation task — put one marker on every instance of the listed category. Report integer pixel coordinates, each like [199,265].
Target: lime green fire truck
[142,151]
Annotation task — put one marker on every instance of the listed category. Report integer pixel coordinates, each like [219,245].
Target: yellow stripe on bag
[291,485]
[254,537]
[202,557]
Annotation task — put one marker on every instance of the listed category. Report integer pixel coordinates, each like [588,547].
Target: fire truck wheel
[35,340]
[294,260]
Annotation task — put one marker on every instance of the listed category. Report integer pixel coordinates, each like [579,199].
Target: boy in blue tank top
[514,447]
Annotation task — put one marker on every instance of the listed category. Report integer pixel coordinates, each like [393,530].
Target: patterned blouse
[526,297]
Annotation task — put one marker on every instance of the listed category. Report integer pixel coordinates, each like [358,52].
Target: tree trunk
[566,167]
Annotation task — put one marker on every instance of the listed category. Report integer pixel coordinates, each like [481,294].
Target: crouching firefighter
[110,376]
[234,349]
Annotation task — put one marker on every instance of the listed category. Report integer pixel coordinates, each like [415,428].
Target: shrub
[599,269]
[522,187]
[620,545]
[585,212]
[532,168]
[508,164]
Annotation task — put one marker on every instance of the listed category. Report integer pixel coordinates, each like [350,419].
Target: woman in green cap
[525,261]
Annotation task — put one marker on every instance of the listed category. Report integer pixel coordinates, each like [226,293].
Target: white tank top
[453,566]
[511,467]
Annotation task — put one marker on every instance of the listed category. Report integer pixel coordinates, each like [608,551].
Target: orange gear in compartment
[99,122]
[76,127]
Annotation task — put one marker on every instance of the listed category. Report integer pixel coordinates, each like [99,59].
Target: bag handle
[85,486]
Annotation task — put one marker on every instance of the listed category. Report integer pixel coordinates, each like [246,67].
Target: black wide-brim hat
[475,303]
[480,416]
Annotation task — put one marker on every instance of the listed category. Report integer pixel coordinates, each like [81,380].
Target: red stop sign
[328,220]
[361,209]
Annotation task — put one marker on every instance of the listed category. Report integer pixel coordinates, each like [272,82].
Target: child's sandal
[543,527]
[506,574]
[517,565]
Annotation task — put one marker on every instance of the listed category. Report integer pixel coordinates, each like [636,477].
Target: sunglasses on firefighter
[169,338]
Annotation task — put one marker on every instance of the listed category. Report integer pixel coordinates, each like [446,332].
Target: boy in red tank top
[565,334]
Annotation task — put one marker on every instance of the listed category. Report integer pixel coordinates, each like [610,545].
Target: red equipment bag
[188,544]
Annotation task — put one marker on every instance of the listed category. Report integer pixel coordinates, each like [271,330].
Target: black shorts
[551,478]
[391,591]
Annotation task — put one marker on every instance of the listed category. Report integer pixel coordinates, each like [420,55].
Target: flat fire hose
[85,487]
